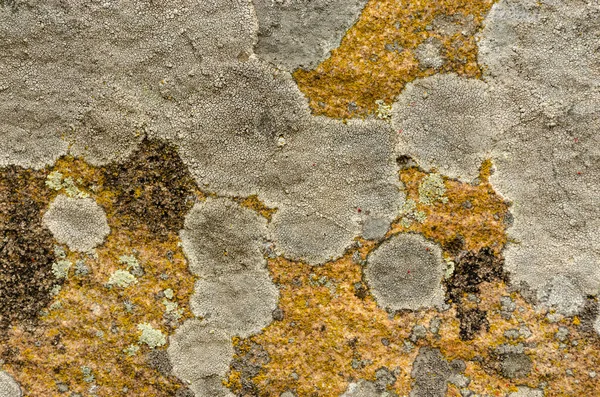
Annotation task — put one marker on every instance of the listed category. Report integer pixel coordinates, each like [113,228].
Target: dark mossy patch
[471,322]
[470,271]
[153,187]
[248,361]
[26,246]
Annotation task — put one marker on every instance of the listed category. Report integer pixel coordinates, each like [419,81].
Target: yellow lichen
[472,215]
[378,55]
[94,326]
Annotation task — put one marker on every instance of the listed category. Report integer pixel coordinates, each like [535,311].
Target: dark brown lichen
[153,187]
[471,270]
[26,246]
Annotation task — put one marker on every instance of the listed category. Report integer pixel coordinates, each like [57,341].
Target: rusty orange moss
[90,325]
[377,57]
[472,218]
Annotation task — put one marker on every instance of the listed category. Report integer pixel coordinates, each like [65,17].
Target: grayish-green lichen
[151,336]
[409,213]
[121,278]
[432,189]
[60,268]
[131,350]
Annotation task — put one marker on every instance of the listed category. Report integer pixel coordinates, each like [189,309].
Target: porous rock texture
[80,223]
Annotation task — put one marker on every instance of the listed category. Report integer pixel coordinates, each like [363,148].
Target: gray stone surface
[301,33]
[405,272]
[80,223]
[8,386]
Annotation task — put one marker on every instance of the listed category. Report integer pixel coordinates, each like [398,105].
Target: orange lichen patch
[253,202]
[331,335]
[81,341]
[328,334]
[471,218]
[379,55]
[551,358]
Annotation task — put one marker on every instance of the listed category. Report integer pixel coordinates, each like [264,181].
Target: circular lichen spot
[79,223]
[405,272]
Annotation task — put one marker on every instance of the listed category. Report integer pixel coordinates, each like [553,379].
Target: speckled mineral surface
[290,198]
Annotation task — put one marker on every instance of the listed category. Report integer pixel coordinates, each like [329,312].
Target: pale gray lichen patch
[199,354]
[362,388]
[450,123]
[562,295]
[429,54]
[80,223]
[238,303]
[326,171]
[8,386]
[405,272]
[220,237]
[432,373]
[543,56]
[374,228]
[524,391]
[296,34]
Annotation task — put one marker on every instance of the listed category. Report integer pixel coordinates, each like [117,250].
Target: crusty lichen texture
[393,43]
[109,308]
[330,335]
